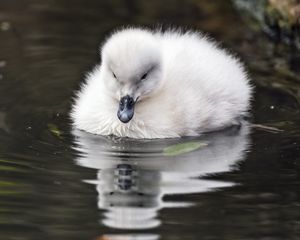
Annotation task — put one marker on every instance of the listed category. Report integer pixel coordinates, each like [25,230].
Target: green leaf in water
[182,148]
[54,129]
[7,184]
[10,169]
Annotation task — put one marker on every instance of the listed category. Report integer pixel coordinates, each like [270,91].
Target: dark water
[56,183]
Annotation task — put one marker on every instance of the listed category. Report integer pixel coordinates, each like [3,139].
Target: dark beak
[126,109]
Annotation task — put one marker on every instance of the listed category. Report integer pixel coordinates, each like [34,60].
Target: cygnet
[162,84]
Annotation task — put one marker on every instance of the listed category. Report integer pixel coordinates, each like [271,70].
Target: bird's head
[131,68]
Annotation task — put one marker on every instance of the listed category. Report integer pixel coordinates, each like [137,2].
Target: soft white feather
[193,86]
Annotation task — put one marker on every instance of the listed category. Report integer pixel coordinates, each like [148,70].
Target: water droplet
[2,64]
[5,26]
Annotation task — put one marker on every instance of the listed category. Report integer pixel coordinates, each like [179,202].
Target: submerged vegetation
[280,19]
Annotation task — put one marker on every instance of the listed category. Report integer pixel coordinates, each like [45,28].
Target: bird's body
[191,86]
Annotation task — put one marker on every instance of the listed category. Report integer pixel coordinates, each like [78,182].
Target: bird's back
[208,85]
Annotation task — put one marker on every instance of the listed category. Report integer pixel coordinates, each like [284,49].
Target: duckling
[154,84]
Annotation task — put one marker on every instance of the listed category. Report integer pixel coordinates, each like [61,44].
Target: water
[57,183]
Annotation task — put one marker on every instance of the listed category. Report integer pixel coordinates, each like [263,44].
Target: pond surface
[59,183]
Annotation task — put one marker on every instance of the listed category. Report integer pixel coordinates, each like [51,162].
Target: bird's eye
[144,76]
[114,75]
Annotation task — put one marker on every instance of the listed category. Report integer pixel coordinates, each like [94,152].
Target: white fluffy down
[195,86]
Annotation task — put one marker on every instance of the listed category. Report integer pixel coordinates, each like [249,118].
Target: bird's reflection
[134,175]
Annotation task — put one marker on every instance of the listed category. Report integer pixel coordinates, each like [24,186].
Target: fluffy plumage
[183,84]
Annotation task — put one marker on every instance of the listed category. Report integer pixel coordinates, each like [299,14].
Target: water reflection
[134,176]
